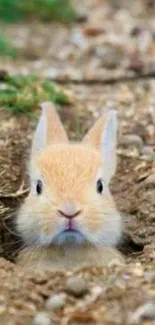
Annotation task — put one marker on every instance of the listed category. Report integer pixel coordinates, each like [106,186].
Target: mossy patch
[24,94]
[47,10]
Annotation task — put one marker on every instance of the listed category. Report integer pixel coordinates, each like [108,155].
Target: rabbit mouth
[70,227]
[69,235]
[70,230]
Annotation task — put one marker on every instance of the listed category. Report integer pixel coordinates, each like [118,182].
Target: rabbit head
[69,200]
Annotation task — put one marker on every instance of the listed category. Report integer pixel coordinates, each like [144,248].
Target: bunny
[69,218]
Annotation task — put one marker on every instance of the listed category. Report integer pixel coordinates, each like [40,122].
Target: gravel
[145,312]
[42,319]
[76,287]
[56,302]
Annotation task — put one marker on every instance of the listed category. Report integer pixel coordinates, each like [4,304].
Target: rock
[150,275]
[76,287]
[145,312]
[138,270]
[42,318]
[132,140]
[111,56]
[55,302]
[148,153]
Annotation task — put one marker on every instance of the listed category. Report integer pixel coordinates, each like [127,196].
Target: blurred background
[77,39]
[60,40]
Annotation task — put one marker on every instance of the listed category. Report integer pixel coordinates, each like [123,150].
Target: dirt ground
[124,38]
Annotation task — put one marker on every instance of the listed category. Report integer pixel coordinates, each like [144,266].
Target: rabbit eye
[99,186]
[39,187]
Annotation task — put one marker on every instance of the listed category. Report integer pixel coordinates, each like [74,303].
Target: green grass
[6,49]
[14,11]
[24,94]
[47,10]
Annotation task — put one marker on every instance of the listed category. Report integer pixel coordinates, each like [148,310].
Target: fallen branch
[104,81]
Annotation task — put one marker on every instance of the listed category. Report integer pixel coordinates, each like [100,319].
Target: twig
[104,81]
[14,195]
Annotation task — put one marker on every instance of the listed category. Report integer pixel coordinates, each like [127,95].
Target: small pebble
[138,270]
[55,302]
[145,312]
[148,153]
[42,319]
[132,139]
[111,56]
[150,275]
[76,287]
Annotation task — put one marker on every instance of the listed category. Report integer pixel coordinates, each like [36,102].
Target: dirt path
[120,45]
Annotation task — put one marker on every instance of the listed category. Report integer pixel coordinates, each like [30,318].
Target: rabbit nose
[69,216]
[69,211]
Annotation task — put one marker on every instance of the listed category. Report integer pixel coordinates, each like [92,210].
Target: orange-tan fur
[69,173]
[66,259]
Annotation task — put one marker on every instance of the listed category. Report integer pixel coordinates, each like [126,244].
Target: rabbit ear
[49,129]
[103,136]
